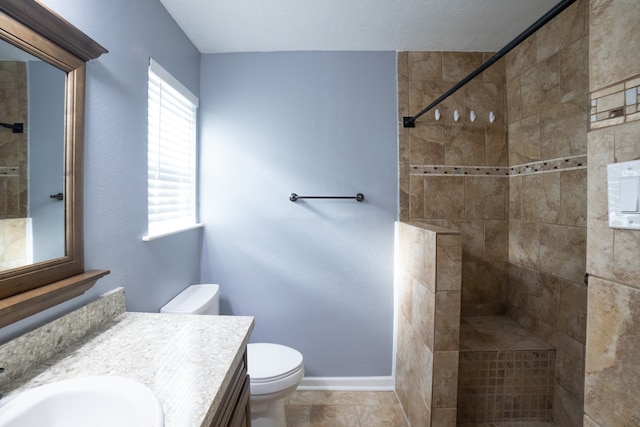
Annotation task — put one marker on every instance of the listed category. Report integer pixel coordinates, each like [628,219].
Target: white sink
[99,401]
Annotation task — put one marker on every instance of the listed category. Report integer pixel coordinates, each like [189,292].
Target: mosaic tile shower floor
[359,409]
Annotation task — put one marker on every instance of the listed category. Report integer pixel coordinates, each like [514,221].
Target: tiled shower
[13,167]
[511,180]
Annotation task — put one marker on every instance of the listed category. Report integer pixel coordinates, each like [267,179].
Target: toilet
[274,370]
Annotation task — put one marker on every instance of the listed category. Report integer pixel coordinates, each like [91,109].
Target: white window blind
[171,154]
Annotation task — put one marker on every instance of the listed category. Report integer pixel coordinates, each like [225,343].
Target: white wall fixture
[472,116]
[492,117]
[437,114]
[623,185]
[456,115]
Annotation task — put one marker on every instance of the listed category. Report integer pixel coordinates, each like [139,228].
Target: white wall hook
[437,114]
[472,116]
[492,117]
[456,115]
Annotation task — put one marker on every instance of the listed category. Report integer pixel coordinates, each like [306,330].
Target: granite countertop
[186,360]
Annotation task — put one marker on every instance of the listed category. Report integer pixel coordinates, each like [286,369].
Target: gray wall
[115,154]
[317,275]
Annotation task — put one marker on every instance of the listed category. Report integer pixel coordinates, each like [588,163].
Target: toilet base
[268,415]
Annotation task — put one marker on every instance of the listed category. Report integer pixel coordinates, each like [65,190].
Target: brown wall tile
[443,197]
[540,87]
[426,144]
[445,379]
[416,198]
[543,298]
[612,368]
[403,284]
[563,251]
[444,417]
[541,197]
[497,146]
[588,422]
[626,140]
[403,84]
[524,243]
[573,198]
[485,288]
[423,312]
[563,129]
[572,313]
[448,262]
[574,70]
[496,240]
[483,98]
[626,268]
[566,28]
[514,100]
[457,65]
[569,363]
[520,281]
[568,409]
[599,249]
[425,65]
[486,197]
[447,321]
[515,197]
[521,58]
[472,232]
[524,140]
[613,39]
[465,145]
[496,72]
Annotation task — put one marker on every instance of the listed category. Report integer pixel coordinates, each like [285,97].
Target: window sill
[151,237]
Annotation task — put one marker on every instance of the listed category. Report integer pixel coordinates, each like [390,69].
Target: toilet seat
[272,362]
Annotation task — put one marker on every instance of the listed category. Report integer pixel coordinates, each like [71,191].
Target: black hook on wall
[16,127]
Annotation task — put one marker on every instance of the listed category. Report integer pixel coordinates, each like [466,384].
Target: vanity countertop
[186,360]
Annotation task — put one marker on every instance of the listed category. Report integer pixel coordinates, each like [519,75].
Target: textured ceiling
[216,26]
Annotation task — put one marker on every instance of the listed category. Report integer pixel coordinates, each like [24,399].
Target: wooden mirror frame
[39,31]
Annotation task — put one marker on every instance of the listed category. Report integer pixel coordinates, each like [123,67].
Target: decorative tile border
[552,165]
[542,166]
[443,170]
[615,104]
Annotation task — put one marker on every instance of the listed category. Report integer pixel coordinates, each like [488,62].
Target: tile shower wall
[518,201]
[454,174]
[13,243]
[547,104]
[13,146]
[427,287]
[13,165]
[612,350]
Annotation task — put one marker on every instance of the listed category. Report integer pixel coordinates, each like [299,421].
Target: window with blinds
[171,154]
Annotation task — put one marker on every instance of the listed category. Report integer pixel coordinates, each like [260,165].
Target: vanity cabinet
[234,410]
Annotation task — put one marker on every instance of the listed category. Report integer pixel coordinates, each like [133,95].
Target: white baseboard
[348,383]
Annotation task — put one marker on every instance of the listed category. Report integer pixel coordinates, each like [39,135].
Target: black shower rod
[410,122]
[16,127]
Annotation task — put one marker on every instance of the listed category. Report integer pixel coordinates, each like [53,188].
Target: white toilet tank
[195,299]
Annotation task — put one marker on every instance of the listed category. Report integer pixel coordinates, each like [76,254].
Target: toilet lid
[268,362]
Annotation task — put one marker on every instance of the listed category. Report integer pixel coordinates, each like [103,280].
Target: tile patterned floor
[344,409]
[359,409]
[512,424]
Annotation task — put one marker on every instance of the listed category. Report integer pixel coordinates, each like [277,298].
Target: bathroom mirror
[43,90]
[32,211]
